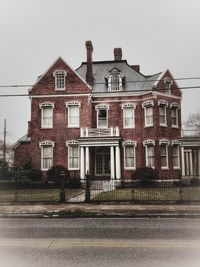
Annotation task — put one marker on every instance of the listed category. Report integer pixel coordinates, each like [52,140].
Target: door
[102,164]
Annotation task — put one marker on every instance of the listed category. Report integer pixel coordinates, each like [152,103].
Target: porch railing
[100,132]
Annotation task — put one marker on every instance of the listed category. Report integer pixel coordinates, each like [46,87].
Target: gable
[74,83]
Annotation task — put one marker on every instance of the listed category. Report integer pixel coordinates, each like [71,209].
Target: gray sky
[157,34]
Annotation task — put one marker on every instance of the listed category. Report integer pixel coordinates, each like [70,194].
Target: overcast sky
[157,34]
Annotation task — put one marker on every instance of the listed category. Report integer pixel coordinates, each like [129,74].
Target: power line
[135,81]
[133,91]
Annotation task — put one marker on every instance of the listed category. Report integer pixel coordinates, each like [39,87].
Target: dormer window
[167,85]
[115,80]
[59,79]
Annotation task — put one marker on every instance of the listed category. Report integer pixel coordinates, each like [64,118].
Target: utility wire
[135,81]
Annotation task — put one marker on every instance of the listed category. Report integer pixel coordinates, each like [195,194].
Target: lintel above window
[162,103]
[115,80]
[174,105]
[148,103]
[149,142]
[164,142]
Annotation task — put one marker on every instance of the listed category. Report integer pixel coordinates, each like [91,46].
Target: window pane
[163,152]
[102,118]
[47,157]
[129,156]
[73,157]
[60,81]
[149,116]
[150,156]
[174,114]
[175,156]
[73,116]
[47,117]
[162,115]
[128,117]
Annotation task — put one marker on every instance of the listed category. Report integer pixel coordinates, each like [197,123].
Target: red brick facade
[101,150]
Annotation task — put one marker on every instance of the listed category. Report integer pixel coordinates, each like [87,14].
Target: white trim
[42,145]
[46,104]
[70,146]
[175,105]
[60,72]
[125,107]
[163,103]
[164,142]
[179,165]
[69,105]
[43,106]
[162,75]
[102,106]
[148,142]
[165,115]
[58,95]
[149,103]
[133,146]
[177,117]
[145,117]
[170,96]
[97,117]
[72,103]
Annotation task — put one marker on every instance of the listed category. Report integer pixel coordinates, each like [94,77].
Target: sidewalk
[99,210]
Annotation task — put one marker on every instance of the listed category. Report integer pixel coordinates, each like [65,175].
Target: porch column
[87,160]
[182,161]
[191,165]
[112,162]
[82,174]
[118,165]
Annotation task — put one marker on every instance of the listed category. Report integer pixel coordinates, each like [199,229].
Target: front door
[102,164]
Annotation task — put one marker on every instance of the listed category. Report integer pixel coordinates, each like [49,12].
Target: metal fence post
[87,188]
[62,187]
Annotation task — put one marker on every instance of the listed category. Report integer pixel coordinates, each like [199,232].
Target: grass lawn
[35,194]
[151,194]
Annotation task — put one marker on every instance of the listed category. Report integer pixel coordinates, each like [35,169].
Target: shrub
[146,175]
[74,182]
[195,181]
[35,175]
[54,174]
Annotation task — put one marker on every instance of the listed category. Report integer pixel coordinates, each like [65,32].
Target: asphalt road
[100,242]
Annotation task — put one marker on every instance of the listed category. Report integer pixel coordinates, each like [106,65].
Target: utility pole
[4,141]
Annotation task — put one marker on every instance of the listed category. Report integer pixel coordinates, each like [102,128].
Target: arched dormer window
[59,79]
[115,80]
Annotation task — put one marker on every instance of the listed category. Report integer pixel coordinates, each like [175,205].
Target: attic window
[115,80]
[167,85]
[59,79]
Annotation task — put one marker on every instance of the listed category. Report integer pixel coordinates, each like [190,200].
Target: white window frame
[42,145]
[149,143]
[176,107]
[98,109]
[164,143]
[146,105]
[115,85]
[124,108]
[60,77]
[132,145]
[163,104]
[176,143]
[68,106]
[42,107]
[70,145]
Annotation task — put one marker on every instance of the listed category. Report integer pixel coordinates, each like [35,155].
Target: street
[100,242]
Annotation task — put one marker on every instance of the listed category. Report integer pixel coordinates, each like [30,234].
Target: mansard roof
[134,80]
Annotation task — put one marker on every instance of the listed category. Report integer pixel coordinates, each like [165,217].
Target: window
[102,116]
[150,153]
[129,154]
[148,113]
[176,154]
[167,84]
[115,80]
[46,155]
[46,115]
[73,114]
[73,157]
[174,116]
[59,79]
[164,153]
[128,116]
[162,112]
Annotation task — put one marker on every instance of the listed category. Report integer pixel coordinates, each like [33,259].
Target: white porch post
[87,160]
[112,162]
[118,165]
[82,174]
[182,161]
[191,165]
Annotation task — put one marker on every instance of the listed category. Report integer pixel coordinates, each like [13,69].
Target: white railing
[99,132]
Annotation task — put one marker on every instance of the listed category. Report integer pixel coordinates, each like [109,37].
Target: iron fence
[90,190]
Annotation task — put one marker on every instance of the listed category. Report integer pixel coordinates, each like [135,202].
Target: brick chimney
[89,73]
[117,54]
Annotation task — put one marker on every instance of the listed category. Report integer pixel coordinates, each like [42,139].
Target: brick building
[105,118]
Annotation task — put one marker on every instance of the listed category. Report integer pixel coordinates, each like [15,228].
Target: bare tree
[193,123]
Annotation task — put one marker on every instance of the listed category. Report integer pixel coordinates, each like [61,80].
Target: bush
[147,176]
[35,175]
[54,174]
[195,181]
[74,182]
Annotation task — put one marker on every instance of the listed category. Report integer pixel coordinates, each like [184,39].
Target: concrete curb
[98,210]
